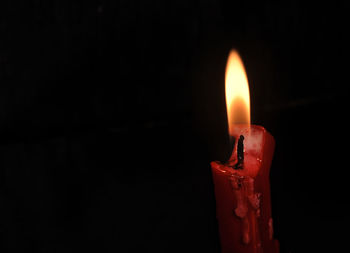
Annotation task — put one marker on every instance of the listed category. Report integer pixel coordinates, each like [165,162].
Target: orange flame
[237,92]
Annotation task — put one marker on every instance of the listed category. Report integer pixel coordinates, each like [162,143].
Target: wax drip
[247,208]
[240,153]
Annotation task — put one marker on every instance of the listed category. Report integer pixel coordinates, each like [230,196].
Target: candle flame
[237,92]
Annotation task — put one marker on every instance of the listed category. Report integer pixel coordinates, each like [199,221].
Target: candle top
[253,146]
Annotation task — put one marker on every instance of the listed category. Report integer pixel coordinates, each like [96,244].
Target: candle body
[243,202]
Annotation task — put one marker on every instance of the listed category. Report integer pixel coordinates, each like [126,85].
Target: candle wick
[240,153]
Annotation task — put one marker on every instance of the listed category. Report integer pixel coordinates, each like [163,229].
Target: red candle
[242,185]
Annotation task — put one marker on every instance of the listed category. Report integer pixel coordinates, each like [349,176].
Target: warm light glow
[237,92]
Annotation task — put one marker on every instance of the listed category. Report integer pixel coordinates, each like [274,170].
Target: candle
[242,187]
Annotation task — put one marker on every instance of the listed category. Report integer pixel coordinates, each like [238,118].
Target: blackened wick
[240,153]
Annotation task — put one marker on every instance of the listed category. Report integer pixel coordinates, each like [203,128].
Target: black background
[111,111]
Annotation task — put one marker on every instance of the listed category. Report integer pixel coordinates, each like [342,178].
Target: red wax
[243,202]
